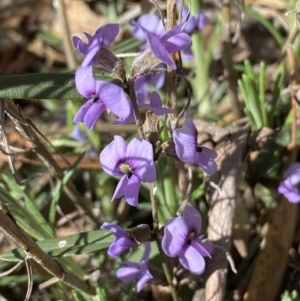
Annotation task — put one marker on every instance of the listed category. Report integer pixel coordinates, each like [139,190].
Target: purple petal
[120,244]
[157,80]
[91,50]
[150,22]
[122,240]
[132,190]
[78,134]
[155,104]
[144,276]
[187,54]
[192,219]
[89,113]
[140,158]
[205,249]
[294,169]
[289,186]
[108,33]
[113,97]
[175,236]
[93,114]
[111,227]
[111,156]
[121,188]
[156,46]
[192,260]
[177,42]
[127,274]
[185,140]
[147,251]
[85,82]
[79,45]
[208,164]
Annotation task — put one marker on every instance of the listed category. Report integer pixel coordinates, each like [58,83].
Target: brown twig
[230,160]
[26,243]
[29,133]
[66,39]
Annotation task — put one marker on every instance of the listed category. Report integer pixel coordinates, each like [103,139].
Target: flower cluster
[134,162]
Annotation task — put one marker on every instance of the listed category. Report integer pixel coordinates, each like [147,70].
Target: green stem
[200,83]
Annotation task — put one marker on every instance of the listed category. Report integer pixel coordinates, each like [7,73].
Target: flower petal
[208,164]
[140,158]
[177,42]
[112,155]
[175,236]
[205,249]
[150,22]
[120,244]
[85,82]
[192,260]
[127,274]
[93,114]
[113,97]
[144,276]
[192,219]
[121,188]
[132,190]
[156,46]
[185,139]
[108,33]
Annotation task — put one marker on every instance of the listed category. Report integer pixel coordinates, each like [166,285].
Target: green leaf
[39,86]
[62,183]
[81,243]
[77,296]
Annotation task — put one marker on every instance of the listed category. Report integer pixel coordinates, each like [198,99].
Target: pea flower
[289,185]
[189,152]
[136,271]
[181,239]
[101,95]
[154,104]
[194,23]
[122,240]
[103,37]
[162,43]
[134,162]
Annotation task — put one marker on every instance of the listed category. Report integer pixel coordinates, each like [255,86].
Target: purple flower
[289,185]
[154,105]
[136,271]
[122,240]
[162,45]
[103,37]
[101,95]
[181,239]
[189,152]
[156,80]
[78,134]
[194,23]
[134,162]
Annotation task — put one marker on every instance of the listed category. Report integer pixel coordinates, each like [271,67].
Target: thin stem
[166,269]
[200,83]
[66,40]
[135,107]
[227,59]
[171,74]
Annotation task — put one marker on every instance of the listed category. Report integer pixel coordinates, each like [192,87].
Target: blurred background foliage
[31,41]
